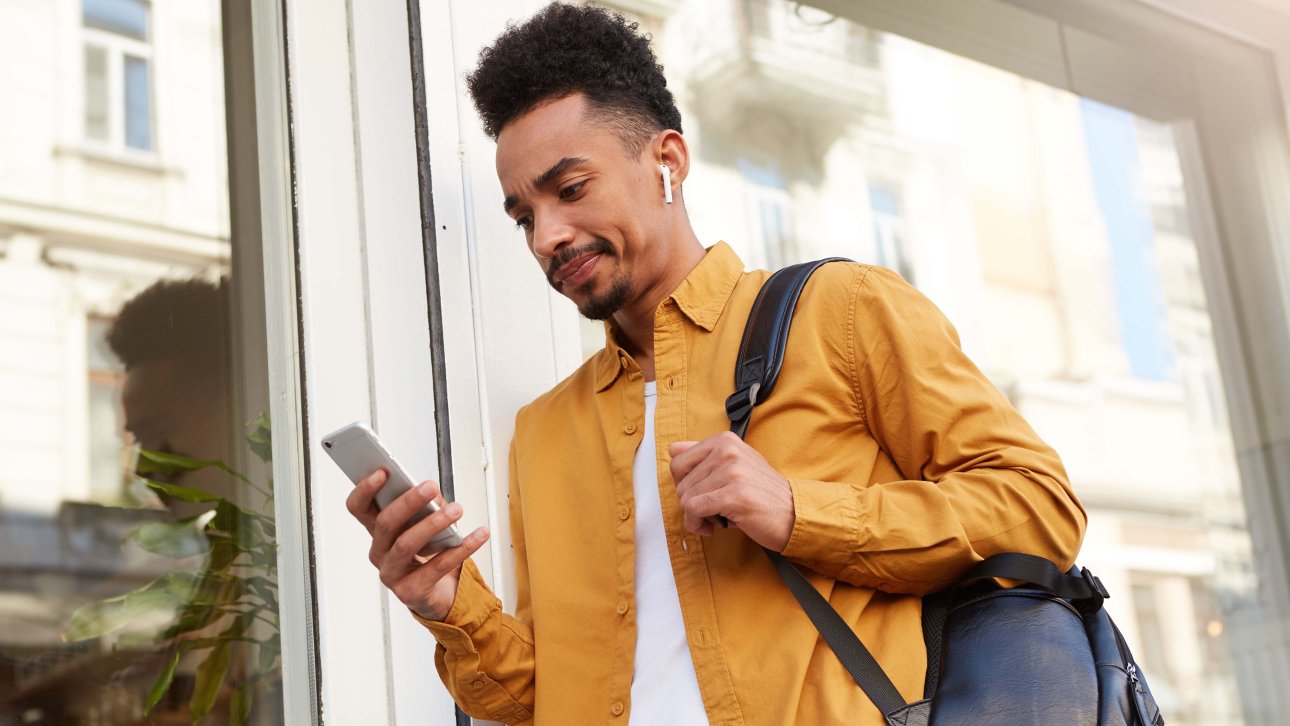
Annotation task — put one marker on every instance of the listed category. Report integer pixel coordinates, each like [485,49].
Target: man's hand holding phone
[427,585]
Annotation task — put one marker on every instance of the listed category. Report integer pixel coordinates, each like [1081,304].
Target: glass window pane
[96,93]
[1053,231]
[127,17]
[138,104]
[123,368]
[99,354]
[108,465]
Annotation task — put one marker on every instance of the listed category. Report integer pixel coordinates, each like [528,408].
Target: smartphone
[358,452]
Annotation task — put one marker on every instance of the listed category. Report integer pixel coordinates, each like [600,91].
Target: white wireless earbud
[667,183]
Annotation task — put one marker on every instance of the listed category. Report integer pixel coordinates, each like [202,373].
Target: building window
[109,453]
[770,221]
[889,231]
[118,74]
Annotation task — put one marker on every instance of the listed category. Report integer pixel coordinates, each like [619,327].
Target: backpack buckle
[1093,602]
[740,404]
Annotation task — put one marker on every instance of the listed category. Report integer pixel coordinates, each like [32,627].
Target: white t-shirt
[665,689]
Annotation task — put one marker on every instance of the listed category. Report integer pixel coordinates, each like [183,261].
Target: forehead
[548,133]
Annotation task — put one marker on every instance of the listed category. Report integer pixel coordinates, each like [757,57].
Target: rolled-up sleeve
[977,480]
[484,656]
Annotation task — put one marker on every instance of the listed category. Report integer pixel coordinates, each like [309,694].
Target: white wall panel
[402,386]
[350,599]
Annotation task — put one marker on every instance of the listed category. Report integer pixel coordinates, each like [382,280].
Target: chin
[602,306]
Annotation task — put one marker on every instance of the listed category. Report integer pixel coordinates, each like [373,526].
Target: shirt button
[477,684]
[685,544]
[629,428]
[617,708]
[622,608]
[624,513]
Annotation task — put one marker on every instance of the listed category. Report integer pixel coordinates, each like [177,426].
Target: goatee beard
[602,307]
[597,307]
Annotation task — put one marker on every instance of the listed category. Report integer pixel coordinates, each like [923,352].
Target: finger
[697,524]
[724,445]
[692,523]
[685,456]
[706,475]
[676,448]
[696,485]
[390,522]
[708,505]
[361,501]
[416,590]
[400,559]
[450,559]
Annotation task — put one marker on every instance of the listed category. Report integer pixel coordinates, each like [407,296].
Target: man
[173,340]
[885,464]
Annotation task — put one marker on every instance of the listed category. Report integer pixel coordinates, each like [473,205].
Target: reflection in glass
[96,93]
[138,561]
[1053,231]
[138,104]
[125,17]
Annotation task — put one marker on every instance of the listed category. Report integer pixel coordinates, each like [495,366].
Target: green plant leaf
[239,706]
[161,462]
[210,676]
[217,589]
[238,523]
[193,618]
[182,493]
[269,650]
[176,540]
[265,559]
[264,588]
[162,684]
[222,555]
[261,438]
[166,593]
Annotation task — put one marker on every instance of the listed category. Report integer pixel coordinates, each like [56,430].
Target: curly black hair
[567,49]
[183,320]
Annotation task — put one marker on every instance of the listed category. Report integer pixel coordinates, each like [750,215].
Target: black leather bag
[1044,652]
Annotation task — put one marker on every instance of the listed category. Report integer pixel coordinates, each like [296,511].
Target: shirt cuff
[826,523]
[473,604]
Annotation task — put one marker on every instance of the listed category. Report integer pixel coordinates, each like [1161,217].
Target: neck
[635,321]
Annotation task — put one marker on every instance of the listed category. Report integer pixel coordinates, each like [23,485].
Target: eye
[572,190]
[525,223]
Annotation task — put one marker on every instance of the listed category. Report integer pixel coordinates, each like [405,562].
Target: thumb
[676,448]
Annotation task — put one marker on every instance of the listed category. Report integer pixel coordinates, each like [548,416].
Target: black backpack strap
[856,658]
[1080,586]
[761,355]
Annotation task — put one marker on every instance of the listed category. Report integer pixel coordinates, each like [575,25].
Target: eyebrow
[558,168]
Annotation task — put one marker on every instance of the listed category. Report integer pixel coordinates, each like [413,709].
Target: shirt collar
[701,297]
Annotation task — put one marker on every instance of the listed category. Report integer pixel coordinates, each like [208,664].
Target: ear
[672,150]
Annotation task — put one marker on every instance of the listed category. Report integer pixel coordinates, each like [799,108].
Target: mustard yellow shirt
[907,466]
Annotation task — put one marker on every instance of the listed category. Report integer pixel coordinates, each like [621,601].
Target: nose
[551,233]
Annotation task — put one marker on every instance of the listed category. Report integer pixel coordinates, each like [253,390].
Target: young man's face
[593,217]
[171,409]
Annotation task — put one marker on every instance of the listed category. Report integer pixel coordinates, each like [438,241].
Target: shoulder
[836,289]
[574,393]
[857,287]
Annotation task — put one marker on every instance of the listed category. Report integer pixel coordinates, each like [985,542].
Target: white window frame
[117,47]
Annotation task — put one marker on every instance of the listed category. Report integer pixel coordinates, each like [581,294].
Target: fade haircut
[181,320]
[568,49]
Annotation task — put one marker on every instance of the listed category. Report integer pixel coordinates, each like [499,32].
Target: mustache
[596,246]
